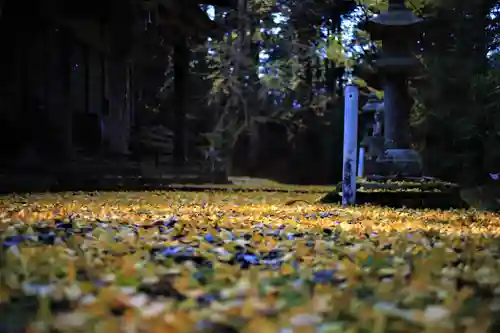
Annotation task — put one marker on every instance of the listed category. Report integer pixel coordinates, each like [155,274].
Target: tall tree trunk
[181,72]
[251,49]
[234,112]
[67,111]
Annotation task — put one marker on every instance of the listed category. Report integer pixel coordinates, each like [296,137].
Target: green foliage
[281,89]
[456,112]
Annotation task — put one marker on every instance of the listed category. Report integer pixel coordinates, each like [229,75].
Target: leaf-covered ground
[242,262]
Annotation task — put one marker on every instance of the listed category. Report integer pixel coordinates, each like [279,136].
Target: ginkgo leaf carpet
[183,262]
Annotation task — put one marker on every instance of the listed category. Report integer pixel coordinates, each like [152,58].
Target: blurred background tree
[296,58]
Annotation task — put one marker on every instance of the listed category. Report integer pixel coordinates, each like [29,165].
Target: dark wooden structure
[73,72]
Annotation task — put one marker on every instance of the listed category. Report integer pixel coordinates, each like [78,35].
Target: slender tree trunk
[252,49]
[181,72]
[67,111]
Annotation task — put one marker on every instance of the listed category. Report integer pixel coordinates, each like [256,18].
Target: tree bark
[67,111]
[181,72]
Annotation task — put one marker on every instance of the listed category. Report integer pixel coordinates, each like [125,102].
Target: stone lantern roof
[398,18]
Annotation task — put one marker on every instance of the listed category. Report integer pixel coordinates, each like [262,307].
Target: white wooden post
[361,162]
[351,93]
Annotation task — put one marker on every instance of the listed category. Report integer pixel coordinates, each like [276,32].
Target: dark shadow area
[32,183]
[412,200]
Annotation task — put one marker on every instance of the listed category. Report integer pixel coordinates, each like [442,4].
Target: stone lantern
[397,29]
